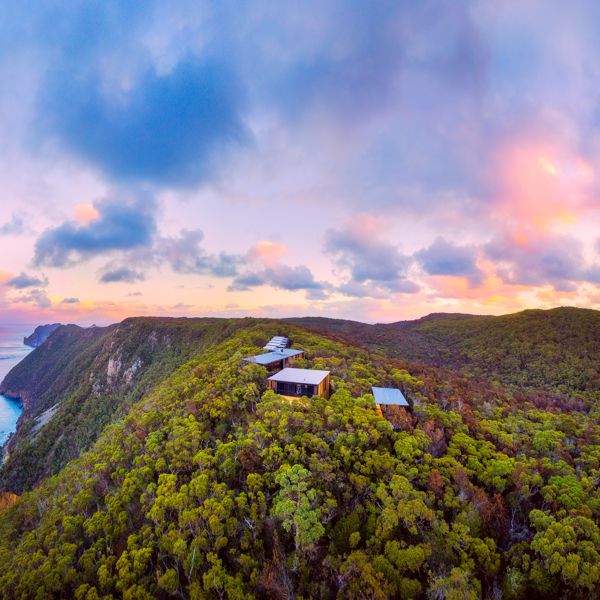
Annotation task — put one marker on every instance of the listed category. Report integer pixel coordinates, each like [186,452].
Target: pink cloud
[542,188]
[267,252]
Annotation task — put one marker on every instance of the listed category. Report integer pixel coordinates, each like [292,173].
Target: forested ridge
[211,487]
[554,350]
[87,378]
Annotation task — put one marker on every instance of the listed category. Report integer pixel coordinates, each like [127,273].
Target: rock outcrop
[40,335]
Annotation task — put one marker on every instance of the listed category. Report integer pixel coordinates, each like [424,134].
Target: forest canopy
[210,486]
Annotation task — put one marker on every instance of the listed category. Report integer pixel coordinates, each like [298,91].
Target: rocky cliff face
[40,335]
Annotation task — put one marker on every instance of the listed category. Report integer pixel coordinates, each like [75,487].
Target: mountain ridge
[552,350]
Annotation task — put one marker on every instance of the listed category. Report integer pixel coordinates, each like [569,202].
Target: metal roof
[271,357]
[389,396]
[277,341]
[308,376]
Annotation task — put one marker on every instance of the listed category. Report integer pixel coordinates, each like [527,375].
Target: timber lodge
[292,382]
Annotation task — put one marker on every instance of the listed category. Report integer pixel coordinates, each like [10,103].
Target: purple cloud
[446,258]
[281,277]
[23,281]
[122,275]
[557,261]
[369,262]
[185,255]
[121,226]
[16,226]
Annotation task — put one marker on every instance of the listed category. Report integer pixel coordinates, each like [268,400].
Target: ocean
[12,350]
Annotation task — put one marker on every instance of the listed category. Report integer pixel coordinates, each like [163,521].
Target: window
[296,389]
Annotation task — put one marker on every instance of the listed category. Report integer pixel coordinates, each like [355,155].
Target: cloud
[122,274]
[85,213]
[370,262]
[267,252]
[185,255]
[23,281]
[37,297]
[120,226]
[166,96]
[281,277]
[263,267]
[446,258]
[70,301]
[164,127]
[352,60]
[366,259]
[16,226]
[555,260]
[148,95]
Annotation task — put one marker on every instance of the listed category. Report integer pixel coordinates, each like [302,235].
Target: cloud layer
[408,156]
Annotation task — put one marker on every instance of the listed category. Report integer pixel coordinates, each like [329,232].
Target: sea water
[12,350]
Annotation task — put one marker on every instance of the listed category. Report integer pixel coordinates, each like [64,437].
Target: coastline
[12,352]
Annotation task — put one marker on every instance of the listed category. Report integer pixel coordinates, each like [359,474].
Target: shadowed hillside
[555,350]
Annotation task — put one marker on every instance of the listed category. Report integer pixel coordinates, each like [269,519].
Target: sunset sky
[368,160]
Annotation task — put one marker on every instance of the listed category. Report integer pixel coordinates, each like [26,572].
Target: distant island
[40,335]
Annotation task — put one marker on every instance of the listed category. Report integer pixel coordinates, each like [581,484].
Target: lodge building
[276,359]
[295,383]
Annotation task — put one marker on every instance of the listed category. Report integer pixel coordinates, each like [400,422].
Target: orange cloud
[85,213]
[490,292]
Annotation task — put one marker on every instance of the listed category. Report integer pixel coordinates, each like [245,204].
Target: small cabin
[277,342]
[277,359]
[295,383]
[388,397]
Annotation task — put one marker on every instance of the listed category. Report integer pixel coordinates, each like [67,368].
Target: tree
[295,505]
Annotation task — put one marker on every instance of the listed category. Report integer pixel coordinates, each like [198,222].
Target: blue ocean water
[12,350]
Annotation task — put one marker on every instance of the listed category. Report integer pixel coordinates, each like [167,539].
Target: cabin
[277,342]
[388,397]
[295,383]
[276,359]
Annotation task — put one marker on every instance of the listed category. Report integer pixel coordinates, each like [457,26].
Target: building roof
[388,396]
[270,357]
[307,376]
[277,341]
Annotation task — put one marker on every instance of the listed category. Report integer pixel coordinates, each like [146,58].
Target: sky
[376,161]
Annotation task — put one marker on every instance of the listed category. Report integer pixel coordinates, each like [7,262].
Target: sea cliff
[40,335]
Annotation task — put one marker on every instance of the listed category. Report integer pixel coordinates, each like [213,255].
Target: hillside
[553,350]
[81,379]
[46,373]
[211,487]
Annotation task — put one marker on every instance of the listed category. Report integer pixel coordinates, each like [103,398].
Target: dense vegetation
[46,374]
[212,487]
[84,379]
[554,350]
